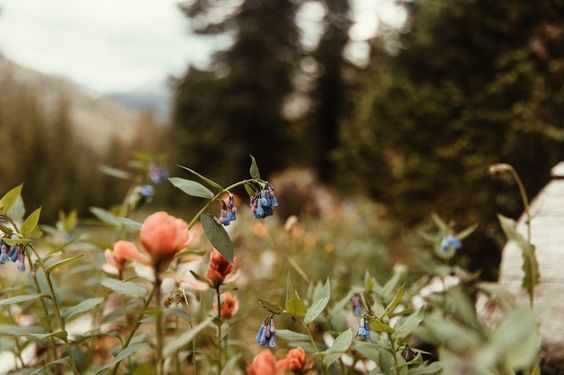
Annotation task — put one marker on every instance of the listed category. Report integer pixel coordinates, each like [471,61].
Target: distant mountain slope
[97,120]
[154,98]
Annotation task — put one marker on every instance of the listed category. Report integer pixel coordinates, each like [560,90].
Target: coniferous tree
[235,109]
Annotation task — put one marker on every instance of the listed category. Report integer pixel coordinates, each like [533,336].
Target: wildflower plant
[138,292]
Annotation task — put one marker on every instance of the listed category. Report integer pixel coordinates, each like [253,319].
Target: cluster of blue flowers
[228,210]
[364,329]
[157,173]
[266,335]
[263,202]
[15,253]
[356,305]
[450,242]
[146,191]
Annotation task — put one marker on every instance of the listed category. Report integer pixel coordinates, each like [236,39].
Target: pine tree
[236,108]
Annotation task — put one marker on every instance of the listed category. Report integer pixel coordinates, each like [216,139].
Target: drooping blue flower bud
[266,335]
[20,266]
[262,203]
[14,251]
[356,305]
[363,329]
[228,211]
[3,253]
[147,191]
[450,242]
[157,173]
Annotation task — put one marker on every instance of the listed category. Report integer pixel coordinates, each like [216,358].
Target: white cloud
[104,45]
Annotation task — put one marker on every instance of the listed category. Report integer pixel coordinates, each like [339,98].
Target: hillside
[97,120]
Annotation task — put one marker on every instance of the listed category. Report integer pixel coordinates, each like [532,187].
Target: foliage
[453,99]
[161,306]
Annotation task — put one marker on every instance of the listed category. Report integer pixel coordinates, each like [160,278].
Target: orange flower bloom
[229,306]
[296,359]
[265,364]
[162,236]
[122,252]
[219,268]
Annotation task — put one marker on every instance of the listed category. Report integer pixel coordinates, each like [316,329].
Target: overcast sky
[120,45]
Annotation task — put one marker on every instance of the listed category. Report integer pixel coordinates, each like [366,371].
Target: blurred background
[391,108]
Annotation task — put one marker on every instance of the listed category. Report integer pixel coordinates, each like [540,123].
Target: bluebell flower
[3,253]
[356,305]
[262,203]
[147,191]
[266,335]
[363,329]
[157,173]
[228,211]
[15,254]
[449,242]
[14,250]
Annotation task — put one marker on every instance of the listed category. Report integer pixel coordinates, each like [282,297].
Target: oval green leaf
[217,236]
[192,188]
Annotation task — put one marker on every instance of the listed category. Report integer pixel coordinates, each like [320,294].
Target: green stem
[219,352]
[312,342]
[136,326]
[215,197]
[57,310]
[158,326]
[46,313]
[393,351]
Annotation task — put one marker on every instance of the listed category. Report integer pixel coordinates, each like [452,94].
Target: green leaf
[217,236]
[530,264]
[109,218]
[30,223]
[42,336]
[201,278]
[17,241]
[440,222]
[9,199]
[272,307]
[251,191]
[174,345]
[192,188]
[466,232]
[341,344]
[406,326]
[289,336]
[203,178]
[433,368]
[124,287]
[61,361]
[114,172]
[378,326]
[254,170]
[319,304]
[395,301]
[19,299]
[15,330]
[62,263]
[295,306]
[126,352]
[83,306]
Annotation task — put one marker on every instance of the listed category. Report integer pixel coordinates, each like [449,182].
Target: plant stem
[16,342]
[45,312]
[136,326]
[215,197]
[57,310]
[393,351]
[312,342]
[219,351]
[158,326]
